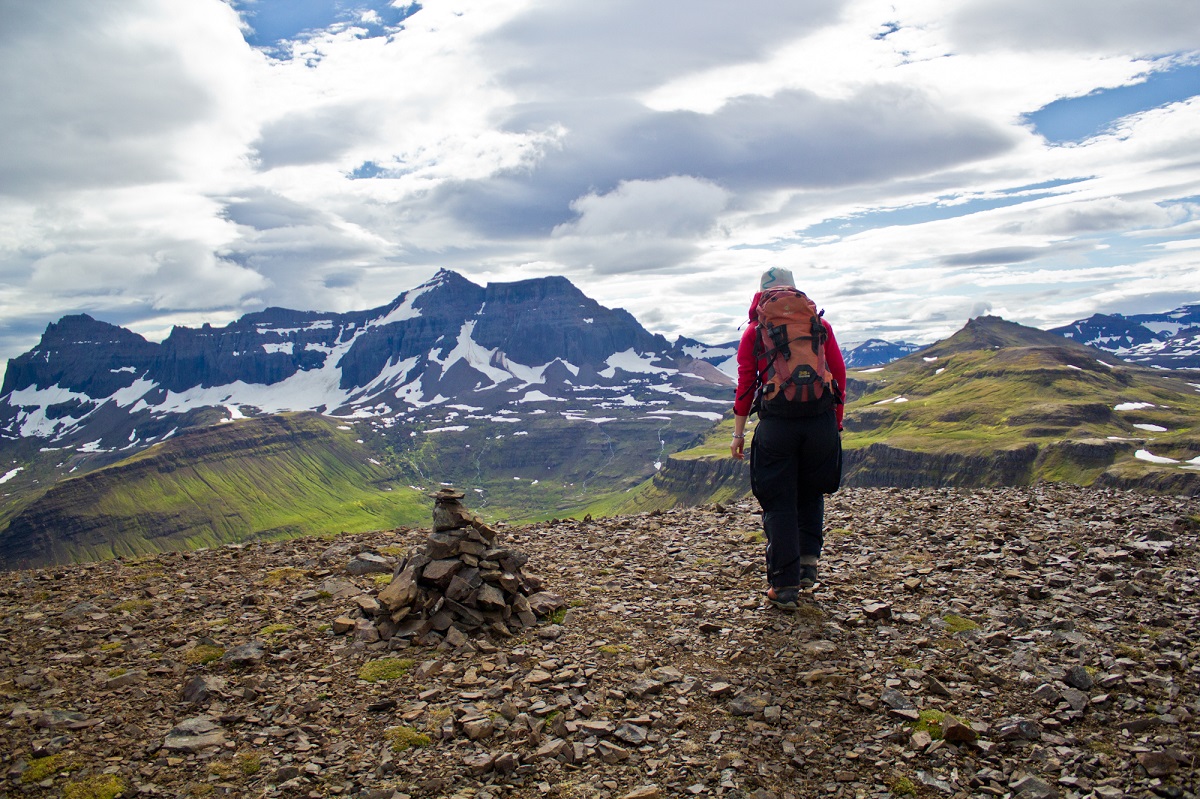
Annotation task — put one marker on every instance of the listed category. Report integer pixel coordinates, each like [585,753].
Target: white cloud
[640,226]
[1149,27]
[155,168]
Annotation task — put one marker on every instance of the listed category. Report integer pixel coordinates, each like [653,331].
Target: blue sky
[274,24]
[1073,119]
[914,162]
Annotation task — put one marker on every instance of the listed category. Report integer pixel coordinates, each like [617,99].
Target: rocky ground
[1011,642]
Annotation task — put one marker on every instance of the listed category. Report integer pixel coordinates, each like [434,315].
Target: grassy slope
[1002,399]
[996,386]
[268,477]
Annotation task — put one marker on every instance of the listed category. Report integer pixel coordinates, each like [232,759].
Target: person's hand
[736,447]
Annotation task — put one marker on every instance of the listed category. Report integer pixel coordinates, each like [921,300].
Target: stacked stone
[461,583]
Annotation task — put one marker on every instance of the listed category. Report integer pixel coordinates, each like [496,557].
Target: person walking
[791,372]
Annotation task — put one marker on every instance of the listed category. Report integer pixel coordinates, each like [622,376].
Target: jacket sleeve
[837,366]
[747,371]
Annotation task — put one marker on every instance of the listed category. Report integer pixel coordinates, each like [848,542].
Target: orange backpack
[796,380]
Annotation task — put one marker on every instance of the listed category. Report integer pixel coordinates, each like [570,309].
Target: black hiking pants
[794,462]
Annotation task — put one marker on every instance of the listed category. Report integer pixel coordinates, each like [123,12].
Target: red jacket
[749,367]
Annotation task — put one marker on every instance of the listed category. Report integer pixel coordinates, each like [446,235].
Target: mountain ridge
[1169,340]
[270,477]
[442,339]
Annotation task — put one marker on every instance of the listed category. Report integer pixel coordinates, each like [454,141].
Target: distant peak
[75,328]
[536,288]
[445,277]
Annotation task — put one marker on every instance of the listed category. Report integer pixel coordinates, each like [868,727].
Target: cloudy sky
[186,161]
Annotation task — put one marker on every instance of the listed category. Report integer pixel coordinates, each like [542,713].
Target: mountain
[511,347]
[1167,340]
[995,404]
[530,395]
[877,352]
[89,380]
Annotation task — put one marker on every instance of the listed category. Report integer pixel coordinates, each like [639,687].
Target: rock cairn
[461,583]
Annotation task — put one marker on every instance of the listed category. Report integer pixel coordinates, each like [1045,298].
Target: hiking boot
[808,575]
[783,598]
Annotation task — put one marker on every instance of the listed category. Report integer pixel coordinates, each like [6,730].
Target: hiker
[793,378]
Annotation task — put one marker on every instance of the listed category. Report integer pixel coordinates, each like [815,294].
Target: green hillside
[272,477]
[998,386]
[997,403]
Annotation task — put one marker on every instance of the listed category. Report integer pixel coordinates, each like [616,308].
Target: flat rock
[245,655]
[203,688]
[1158,764]
[194,734]
[370,563]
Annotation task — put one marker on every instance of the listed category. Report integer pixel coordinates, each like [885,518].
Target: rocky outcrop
[1180,483]
[703,480]
[698,481]
[540,320]
[880,465]
[84,356]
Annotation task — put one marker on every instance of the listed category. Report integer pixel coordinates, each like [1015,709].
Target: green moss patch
[248,763]
[404,738]
[288,575]
[900,785]
[203,654]
[929,721]
[41,768]
[385,669]
[102,786]
[959,624]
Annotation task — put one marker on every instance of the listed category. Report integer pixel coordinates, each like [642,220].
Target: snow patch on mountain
[669,389]
[631,361]
[406,310]
[1149,457]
